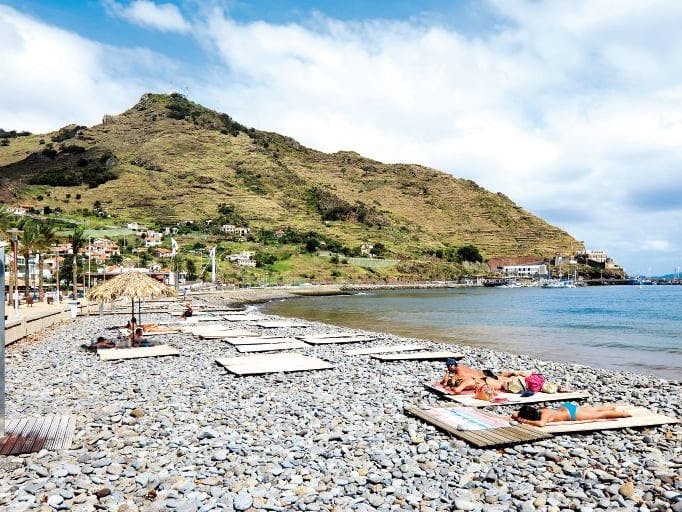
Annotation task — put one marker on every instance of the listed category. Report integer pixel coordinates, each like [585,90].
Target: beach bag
[516,384]
[534,382]
[484,392]
[550,387]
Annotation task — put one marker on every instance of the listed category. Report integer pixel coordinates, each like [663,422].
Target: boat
[559,283]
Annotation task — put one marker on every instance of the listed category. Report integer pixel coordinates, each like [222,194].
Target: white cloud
[163,17]
[52,77]
[573,109]
[570,107]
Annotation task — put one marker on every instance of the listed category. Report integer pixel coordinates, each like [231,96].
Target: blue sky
[571,108]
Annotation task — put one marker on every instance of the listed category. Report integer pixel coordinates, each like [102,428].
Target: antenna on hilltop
[186,89]
[171,89]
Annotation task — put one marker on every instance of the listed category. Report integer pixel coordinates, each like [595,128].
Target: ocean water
[619,327]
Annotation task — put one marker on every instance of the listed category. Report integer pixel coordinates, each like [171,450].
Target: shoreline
[181,433]
[263,296]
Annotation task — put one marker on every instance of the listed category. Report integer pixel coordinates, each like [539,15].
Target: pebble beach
[183,434]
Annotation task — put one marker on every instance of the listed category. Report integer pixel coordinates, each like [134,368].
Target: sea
[632,328]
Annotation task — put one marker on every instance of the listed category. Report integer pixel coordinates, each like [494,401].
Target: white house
[153,239]
[243,259]
[538,270]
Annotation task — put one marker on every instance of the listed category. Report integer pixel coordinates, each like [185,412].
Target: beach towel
[469,399]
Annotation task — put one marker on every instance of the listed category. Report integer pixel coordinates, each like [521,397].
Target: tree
[46,237]
[77,240]
[28,242]
[469,253]
[191,268]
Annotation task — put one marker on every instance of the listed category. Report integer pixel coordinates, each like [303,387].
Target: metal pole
[2,340]
[15,242]
[59,292]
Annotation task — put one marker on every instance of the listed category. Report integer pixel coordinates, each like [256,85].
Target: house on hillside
[528,271]
[134,226]
[162,252]
[153,239]
[366,250]
[243,259]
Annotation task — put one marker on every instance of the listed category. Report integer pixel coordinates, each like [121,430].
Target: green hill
[168,160]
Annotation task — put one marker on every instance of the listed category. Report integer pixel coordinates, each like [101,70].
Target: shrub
[469,253]
[67,132]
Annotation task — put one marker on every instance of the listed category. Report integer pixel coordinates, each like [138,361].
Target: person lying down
[459,378]
[567,411]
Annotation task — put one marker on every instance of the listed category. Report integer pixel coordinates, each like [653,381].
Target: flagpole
[213,265]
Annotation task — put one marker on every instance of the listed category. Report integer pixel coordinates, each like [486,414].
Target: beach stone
[242,501]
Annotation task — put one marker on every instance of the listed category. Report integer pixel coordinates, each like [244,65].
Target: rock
[103,492]
[626,489]
[242,501]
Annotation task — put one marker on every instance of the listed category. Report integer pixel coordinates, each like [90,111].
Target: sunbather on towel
[567,411]
[138,340]
[188,311]
[459,378]
[100,342]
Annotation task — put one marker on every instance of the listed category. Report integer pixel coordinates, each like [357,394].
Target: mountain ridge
[167,159]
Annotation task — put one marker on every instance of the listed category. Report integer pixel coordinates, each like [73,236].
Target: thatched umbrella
[134,285]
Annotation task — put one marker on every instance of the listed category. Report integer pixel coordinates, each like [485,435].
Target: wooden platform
[468,399]
[339,334]
[273,363]
[33,434]
[641,417]
[260,340]
[483,429]
[476,427]
[418,356]
[274,324]
[228,333]
[242,318]
[383,349]
[335,341]
[114,354]
[270,347]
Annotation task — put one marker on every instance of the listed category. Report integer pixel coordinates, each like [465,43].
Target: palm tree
[77,240]
[46,237]
[6,219]
[28,242]
[177,264]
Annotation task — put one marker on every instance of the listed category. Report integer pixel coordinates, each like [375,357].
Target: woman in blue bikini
[567,411]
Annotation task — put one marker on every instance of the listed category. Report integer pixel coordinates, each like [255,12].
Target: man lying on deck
[460,378]
[567,411]
[137,339]
[101,342]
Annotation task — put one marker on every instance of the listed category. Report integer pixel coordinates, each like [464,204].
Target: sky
[571,108]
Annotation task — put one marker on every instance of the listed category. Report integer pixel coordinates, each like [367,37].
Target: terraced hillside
[167,159]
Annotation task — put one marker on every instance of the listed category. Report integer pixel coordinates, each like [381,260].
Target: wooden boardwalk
[36,433]
[493,431]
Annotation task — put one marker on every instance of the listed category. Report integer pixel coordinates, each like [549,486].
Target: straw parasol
[132,284]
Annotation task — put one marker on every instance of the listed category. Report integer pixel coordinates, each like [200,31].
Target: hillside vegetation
[169,160]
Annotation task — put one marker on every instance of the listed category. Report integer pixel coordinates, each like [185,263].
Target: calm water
[620,327]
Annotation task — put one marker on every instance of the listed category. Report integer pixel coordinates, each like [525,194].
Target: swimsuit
[571,408]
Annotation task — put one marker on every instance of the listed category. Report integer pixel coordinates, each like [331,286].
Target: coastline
[181,433]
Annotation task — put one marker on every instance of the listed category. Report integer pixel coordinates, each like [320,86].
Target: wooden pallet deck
[115,354]
[418,356]
[270,347]
[273,363]
[335,341]
[383,349]
[481,430]
[32,434]
[468,399]
[260,340]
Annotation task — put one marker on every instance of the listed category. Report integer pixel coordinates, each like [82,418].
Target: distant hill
[167,160]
